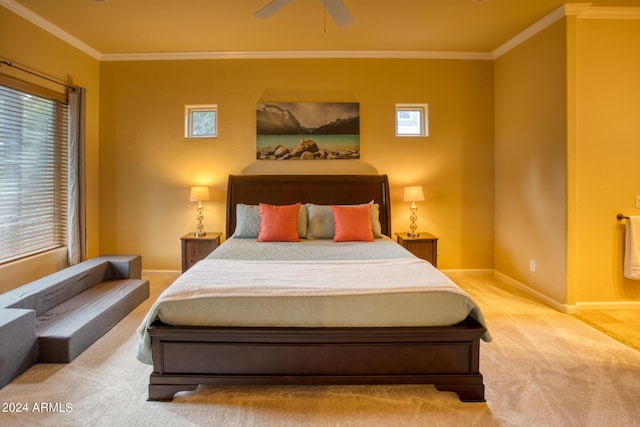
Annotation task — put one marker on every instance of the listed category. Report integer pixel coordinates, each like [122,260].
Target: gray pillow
[247,221]
[319,222]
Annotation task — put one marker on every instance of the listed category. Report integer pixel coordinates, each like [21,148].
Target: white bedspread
[231,278]
[254,278]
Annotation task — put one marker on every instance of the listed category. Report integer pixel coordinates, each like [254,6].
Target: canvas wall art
[308,131]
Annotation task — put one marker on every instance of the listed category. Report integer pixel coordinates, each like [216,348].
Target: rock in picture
[308,131]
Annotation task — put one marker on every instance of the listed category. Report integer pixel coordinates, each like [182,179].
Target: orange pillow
[279,223]
[352,223]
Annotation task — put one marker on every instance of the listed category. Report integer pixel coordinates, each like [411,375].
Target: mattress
[314,283]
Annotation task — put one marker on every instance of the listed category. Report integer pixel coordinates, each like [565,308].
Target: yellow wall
[146,166]
[566,147]
[607,155]
[530,165]
[29,46]
[567,144]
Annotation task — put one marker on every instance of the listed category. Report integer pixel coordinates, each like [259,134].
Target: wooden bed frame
[186,356]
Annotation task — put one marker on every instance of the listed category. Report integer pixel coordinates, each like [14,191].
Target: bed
[283,312]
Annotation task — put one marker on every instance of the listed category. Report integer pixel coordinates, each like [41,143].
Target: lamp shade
[199,194]
[413,194]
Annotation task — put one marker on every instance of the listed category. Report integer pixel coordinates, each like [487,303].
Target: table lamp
[413,194]
[199,194]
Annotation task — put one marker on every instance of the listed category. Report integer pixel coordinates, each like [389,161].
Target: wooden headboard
[317,189]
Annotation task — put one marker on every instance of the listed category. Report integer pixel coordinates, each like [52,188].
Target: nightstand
[196,248]
[424,246]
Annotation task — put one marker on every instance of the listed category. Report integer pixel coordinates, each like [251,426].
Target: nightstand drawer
[195,249]
[424,246]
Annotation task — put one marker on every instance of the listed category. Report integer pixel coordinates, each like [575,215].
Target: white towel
[632,249]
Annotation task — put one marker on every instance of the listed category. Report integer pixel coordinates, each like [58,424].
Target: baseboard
[538,296]
[472,272]
[566,308]
[160,272]
[608,305]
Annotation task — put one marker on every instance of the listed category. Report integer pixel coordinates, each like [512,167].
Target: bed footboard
[448,357]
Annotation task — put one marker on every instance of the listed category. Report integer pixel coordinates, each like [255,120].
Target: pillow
[248,221]
[302,222]
[320,221]
[376,227]
[352,223]
[279,223]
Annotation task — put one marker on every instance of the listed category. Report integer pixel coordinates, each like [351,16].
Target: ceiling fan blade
[338,12]
[271,8]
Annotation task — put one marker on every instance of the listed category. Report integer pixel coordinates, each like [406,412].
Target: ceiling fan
[336,9]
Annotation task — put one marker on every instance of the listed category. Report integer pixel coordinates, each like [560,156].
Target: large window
[33,169]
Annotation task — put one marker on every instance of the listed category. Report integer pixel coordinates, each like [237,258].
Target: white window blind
[33,172]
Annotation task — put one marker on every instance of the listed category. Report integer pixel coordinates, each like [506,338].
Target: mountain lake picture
[308,131]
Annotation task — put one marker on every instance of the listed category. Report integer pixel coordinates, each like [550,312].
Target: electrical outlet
[532,265]
[637,201]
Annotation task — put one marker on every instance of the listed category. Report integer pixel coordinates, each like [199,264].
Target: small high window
[201,121]
[412,120]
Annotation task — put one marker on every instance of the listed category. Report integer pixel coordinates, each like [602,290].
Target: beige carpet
[623,325]
[543,368]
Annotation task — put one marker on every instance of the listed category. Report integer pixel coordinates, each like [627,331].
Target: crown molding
[575,9]
[49,27]
[548,20]
[579,10]
[297,54]
[56,31]
[611,13]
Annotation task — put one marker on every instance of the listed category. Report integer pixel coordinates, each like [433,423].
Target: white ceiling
[115,27]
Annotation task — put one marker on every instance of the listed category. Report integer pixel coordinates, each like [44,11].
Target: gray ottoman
[18,349]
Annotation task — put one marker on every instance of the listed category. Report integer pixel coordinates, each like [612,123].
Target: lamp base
[200,227]
[413,217]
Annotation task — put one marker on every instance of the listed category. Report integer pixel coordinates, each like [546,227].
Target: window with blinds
[33,170]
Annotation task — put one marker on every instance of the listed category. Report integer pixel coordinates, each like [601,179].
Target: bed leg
[467,393]
[165,392]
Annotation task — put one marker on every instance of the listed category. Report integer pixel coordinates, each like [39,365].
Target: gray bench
[56,318]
